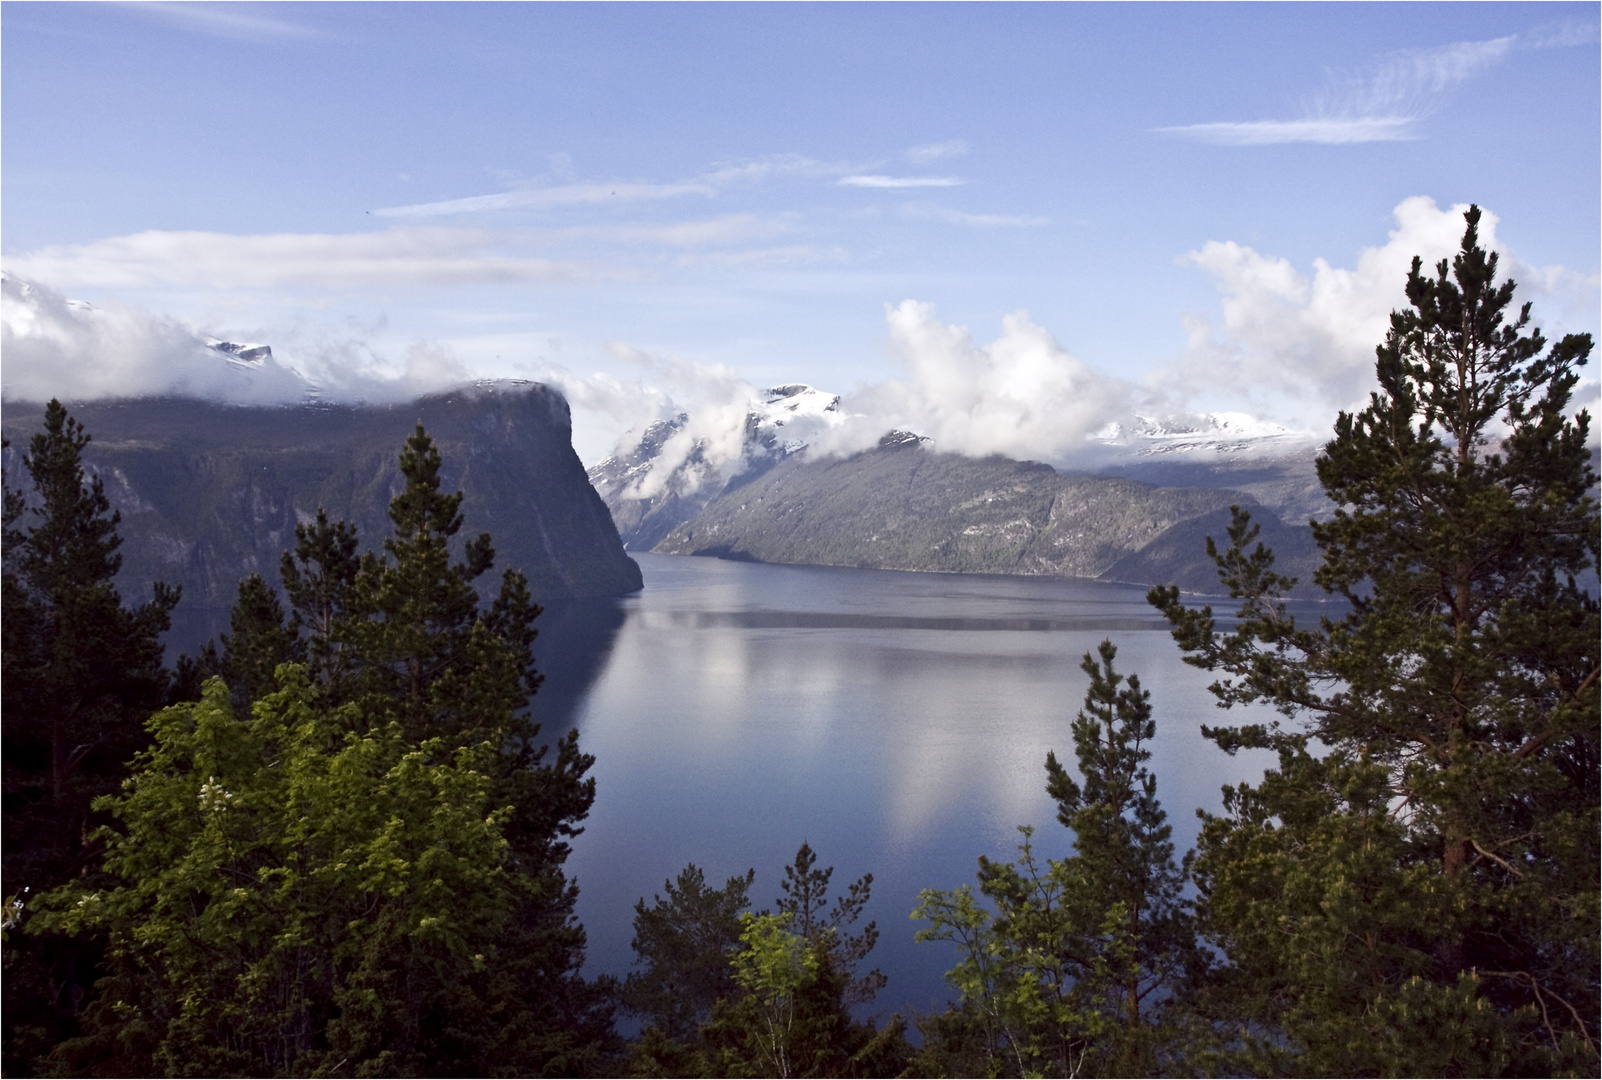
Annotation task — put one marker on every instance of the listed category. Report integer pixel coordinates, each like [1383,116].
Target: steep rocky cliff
[209,492]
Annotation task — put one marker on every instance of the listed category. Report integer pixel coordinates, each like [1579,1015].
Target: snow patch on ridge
[1206,434]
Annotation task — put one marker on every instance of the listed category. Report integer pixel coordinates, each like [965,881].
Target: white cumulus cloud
[55,347]
[714,398]
[1309,336]
[1022,394]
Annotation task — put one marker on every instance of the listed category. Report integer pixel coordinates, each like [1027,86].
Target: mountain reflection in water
[898,722]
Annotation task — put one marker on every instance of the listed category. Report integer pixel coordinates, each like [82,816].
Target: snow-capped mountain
[795,406]
[1201,435]
[677,468]
[679,465]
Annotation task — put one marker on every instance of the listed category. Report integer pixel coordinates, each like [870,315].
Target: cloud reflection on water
[898,722]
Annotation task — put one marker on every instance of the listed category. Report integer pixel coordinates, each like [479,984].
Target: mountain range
[1140,511]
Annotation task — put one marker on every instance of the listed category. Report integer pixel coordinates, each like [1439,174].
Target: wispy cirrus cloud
[411,255]
[874,180]
[923,155]
[952,216]
[210,260]
[729,229]
[541,198]
[235,22]
[1385,103]
[771,167]
[1330,131]
[785,255]
[718,178]
[1562,35]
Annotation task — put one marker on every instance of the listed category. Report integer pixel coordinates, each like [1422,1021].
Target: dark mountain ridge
[210,493]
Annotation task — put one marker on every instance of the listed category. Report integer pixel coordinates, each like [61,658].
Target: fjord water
[898,722]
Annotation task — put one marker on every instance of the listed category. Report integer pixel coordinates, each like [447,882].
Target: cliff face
[210,493]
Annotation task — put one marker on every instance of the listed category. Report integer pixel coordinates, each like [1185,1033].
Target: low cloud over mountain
[58,347]
[1288,342]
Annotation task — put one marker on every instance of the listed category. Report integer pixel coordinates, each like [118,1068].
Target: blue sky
[651,204]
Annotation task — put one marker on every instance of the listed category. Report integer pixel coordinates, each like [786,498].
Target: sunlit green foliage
[773,968]
[804,896]
[286,874]
[365,873]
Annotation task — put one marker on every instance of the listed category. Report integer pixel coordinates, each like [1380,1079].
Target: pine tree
[683,945]
[1073,971]
[1124,856]
[319,576]
[805,898]
[1425,857]
[415,638]
[81,671]
[261,640]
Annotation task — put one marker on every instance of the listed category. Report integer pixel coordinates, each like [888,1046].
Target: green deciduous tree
[774,969]
[296,883]
[1071,972]
[790,1017]
[1425,857]
[368,871]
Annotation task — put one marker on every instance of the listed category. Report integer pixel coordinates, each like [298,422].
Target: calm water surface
[898,722]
